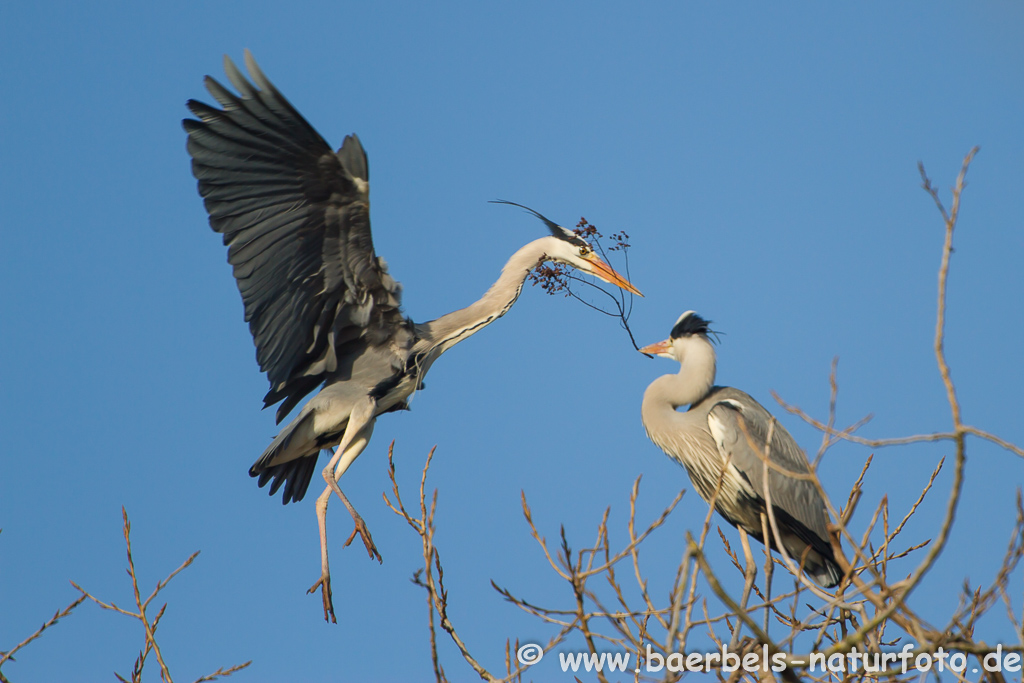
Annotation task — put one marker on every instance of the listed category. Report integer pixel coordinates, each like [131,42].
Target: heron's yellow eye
[583,251]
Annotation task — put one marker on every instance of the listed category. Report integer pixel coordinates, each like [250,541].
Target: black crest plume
[689,324]
[556,229]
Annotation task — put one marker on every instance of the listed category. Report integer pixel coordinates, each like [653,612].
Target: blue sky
[762,158]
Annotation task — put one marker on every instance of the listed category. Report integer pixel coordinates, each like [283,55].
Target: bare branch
[52,621]
[149,625]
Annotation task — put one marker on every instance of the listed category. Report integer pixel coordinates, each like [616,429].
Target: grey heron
[720,431]
[320,304]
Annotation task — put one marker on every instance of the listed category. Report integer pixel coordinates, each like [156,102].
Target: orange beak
[661,348]
[606,273]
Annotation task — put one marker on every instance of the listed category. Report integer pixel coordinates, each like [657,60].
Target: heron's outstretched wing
[295,219]
[737,416]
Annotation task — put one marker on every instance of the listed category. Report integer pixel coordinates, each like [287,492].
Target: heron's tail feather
[289,460]
[827,574]
[820,563]
[295,475]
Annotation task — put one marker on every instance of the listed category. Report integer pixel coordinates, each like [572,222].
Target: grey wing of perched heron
[727,425]
[321,306]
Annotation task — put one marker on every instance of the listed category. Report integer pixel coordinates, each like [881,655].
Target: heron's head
[690,329]
[565,246]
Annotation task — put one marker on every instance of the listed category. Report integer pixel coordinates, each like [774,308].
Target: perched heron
[320,304]
[725,425]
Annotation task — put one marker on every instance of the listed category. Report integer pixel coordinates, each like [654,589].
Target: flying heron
[320,304]
[723,438]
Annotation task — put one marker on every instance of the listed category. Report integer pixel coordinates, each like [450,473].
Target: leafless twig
[57,616]
[149,624]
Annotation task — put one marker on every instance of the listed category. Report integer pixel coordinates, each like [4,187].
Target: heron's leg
[357,435]
[324,583]
[768,567]
[749,574]
[343,464]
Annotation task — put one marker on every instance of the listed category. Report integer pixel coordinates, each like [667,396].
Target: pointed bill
[602,270]
[661,348]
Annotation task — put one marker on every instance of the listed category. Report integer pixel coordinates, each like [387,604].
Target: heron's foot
[324,584]
[367,539]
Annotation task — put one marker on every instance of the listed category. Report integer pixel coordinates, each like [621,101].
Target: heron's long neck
[448,330]
[694,380]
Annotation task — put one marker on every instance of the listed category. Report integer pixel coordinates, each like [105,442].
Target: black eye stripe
[572,238]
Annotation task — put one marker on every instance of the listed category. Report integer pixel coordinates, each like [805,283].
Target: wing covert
[797,497]
[295,218]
